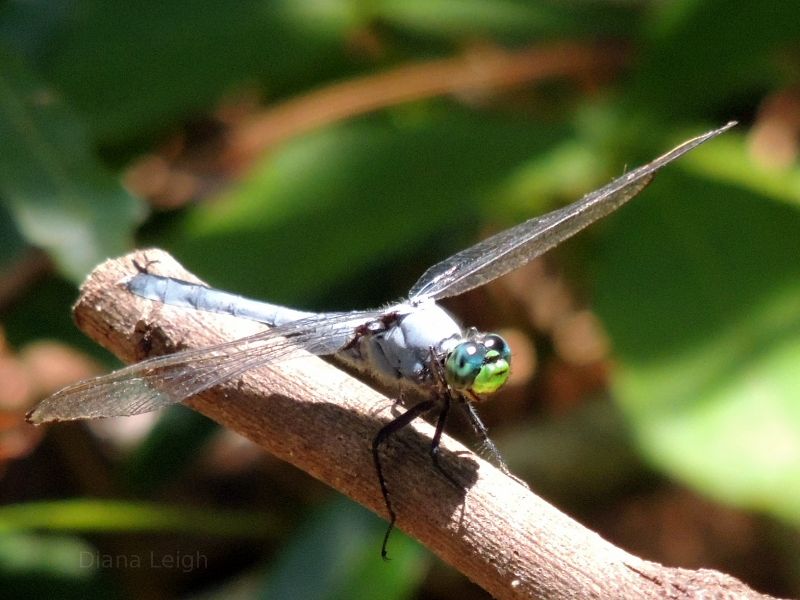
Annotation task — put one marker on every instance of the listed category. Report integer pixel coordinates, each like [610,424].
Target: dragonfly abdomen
[177,292]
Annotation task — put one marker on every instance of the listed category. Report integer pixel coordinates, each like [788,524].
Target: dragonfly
[413,346]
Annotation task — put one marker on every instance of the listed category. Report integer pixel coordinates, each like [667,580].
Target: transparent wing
[165,380]
[512,248]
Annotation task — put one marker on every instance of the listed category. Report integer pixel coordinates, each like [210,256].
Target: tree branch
[307,412]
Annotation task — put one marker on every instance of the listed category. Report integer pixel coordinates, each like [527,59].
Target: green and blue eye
[481,365]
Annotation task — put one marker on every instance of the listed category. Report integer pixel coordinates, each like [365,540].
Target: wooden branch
[305,411]
[479,71]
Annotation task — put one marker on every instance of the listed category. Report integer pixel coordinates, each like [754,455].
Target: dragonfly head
[480,365]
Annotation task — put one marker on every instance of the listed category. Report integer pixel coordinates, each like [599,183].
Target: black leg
[146,266]
[437,436]
[486,443]
[386,431]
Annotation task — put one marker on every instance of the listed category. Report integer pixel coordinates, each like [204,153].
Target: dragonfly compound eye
[495,342]
[479,367]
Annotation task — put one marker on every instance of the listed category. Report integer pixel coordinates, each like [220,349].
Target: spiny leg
[385,432]
[437,436]
[144,268]
[486,443]
[443,394]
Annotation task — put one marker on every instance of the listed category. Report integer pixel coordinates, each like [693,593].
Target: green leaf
[110,515]
[503,19]
[172,444]
[12,244]
[333,205]
[62,199]
[133,68]
[702,53]
[20,552]
[699,286]
[33,565]
[340,545]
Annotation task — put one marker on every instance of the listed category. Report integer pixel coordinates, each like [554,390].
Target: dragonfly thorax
[399,350]
[481,364]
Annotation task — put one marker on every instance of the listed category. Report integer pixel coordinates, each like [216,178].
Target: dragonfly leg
[437,436]
[382,436]
[144,268]
[486,443]
[443,395]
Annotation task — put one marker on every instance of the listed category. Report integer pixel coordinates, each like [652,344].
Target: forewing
[165,380]
[512,248]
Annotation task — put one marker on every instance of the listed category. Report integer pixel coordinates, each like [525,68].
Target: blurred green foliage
[697,282]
